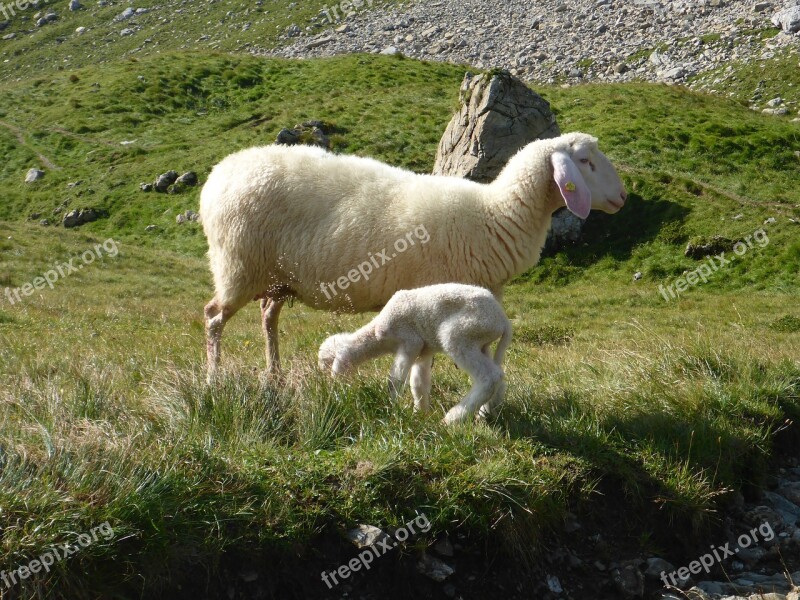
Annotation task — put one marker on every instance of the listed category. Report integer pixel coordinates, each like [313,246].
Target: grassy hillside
[617,397]
[158,27]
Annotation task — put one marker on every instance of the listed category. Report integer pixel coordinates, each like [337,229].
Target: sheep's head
[331,357]
[585,177]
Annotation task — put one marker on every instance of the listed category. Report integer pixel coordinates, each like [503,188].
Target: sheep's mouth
[616,204]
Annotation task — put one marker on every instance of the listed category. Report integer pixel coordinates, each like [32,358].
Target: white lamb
[463,321]
[283,222]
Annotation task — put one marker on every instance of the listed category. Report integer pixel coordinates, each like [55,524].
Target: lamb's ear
[570,183]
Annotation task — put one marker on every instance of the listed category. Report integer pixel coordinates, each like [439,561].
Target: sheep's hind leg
[486,378]
[270,311]
[216,317]
[421,382]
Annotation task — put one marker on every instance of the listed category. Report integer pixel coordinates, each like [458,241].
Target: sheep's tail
[505,340]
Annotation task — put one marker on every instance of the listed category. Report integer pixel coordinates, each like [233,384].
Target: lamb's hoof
[457,414]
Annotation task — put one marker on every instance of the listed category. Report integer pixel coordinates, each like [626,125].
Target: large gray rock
[788,19]
[499,115]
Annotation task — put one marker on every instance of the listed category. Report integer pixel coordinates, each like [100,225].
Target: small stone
[711,587]
[637,276]
[629,580]
[769,221]
[776,112]
[621,68]
[165,180]
[761,6]
[125,14]
[75,5]
[775,102]
[150,228]
[343,28]
[189,178]
[434,568]
[366,535]
[553,584]
[788,19]
[657,566]
[390,51]
[33,175]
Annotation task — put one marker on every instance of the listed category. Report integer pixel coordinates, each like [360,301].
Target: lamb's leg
[399,374]
[216,317]
[494,402]
[498,395]
[270,311]
[421,382]
[486,378]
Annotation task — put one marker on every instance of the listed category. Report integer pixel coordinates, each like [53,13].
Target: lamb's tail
[505,340]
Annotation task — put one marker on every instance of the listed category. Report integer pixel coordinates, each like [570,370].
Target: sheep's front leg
[402,365]
[270,311]
[421,382]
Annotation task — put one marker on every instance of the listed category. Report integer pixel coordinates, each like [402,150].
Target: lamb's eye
[585,161]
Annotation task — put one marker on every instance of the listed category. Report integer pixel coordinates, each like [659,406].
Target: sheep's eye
[585,161]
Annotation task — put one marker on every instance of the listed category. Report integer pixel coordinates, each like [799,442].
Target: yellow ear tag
[570,187]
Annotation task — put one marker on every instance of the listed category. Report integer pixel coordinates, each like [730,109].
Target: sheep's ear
[570,183]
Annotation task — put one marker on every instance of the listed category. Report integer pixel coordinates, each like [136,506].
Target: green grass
[661,407]
[168,26]
[125,430]
[775,77]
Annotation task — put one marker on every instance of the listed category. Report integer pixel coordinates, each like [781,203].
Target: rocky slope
[558,40]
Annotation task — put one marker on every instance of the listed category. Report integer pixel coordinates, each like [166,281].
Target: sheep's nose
[624,195]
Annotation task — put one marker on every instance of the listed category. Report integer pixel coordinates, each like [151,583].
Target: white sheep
[463,321]
[282,222]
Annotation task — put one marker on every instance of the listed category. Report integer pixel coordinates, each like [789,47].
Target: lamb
[463,321]
[282,222]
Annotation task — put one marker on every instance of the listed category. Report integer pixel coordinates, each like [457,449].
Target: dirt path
[46,162]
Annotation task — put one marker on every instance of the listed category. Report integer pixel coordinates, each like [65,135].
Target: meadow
[617,396]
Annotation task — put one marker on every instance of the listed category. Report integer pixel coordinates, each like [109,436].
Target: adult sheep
[296,222]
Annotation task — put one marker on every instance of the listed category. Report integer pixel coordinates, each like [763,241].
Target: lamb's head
[332,356]
[585,177]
